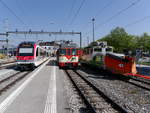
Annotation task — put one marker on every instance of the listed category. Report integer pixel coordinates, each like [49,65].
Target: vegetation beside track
[2,56]
[144,63]
[120,40]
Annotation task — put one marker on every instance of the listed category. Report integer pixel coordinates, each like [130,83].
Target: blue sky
[53,15]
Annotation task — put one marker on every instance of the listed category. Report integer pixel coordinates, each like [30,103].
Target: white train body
[30,55]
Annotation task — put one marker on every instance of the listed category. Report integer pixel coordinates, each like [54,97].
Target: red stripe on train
[138,75]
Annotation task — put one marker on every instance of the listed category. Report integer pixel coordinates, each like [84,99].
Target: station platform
[143,69]
[42,92]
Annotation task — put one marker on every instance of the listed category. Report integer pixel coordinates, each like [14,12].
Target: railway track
[136,81]
[7,62]
[9,81]
[7,65]
[139,83]
[142,80]
[95,100]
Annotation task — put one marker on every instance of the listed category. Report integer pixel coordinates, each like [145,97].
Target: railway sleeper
[104,110]
[84,88]
[96,100]
[93,104]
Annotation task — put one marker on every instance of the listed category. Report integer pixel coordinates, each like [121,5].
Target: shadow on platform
[52,63]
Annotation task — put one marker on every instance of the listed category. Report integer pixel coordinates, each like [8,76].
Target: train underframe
[24,67]
[68,65]
[28,65]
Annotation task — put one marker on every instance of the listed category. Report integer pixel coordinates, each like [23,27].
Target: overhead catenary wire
[71,9]
[103,8]
[12,12]
[20,7]
[76,14]
[118,13]
[137,21]
[99,12]
[115,15]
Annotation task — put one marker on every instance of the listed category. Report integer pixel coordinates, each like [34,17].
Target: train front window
[68,51]
[26,52]
[73,51]
[63,52]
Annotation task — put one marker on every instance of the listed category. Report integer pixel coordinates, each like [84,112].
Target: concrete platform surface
[44,93]
[143,69]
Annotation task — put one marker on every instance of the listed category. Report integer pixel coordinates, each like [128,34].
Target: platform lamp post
[93,20]
[7,47]
[51,23]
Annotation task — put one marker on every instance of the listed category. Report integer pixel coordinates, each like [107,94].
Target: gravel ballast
[74,101]
[132,98]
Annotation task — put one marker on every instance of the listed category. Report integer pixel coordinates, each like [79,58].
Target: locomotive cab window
[68,51]
[109,49]
[62,51]
[25,51]
[73,51]
[97,49]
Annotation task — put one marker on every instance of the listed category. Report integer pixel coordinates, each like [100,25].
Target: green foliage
[120,40]
[144,42]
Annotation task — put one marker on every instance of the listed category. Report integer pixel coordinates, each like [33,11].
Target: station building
[50,46]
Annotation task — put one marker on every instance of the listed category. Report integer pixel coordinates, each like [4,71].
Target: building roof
[68,45]
[53,43]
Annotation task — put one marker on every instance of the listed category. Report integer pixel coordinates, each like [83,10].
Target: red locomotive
[124,65]
[30,55]
[120,64]
[68,55]
[103,56]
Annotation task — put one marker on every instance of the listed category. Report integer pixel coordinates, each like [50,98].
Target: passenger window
[37,52]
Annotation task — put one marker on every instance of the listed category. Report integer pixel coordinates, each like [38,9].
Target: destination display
[26,45]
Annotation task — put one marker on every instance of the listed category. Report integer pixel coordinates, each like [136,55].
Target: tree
[119,39]
[144,42]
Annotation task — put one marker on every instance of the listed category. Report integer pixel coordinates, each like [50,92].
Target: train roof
[116,55]
[53,43]
[28,42]
[31,43]
[70,45]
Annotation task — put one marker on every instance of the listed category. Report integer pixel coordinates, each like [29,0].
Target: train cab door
[68,53]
